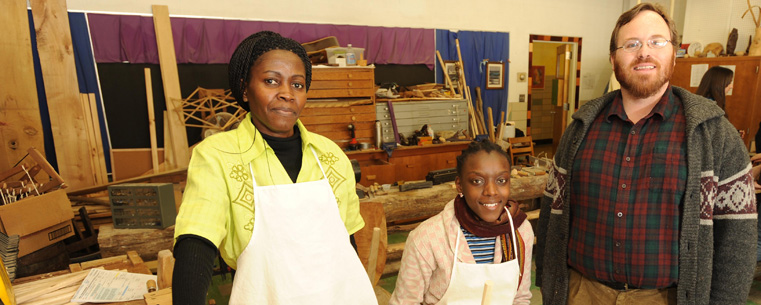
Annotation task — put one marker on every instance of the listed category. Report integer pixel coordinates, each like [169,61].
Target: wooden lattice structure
[213,110]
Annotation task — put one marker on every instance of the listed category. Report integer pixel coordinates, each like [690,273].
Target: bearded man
[650,200]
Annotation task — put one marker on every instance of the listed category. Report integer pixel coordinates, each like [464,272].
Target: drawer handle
[348,75]
[385,123]
[410,165]
[353,119]
[386,108]
[349,84]
[371,177]
[385,116]
[450,161]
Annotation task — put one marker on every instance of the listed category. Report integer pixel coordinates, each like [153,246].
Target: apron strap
[456,252]
[318,162]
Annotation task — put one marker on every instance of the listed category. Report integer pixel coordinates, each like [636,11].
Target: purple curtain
[123,38]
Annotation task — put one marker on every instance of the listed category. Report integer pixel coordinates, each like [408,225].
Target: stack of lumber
[54,290]
[98,209]
[58,287]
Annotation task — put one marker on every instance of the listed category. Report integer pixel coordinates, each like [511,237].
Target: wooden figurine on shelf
[732,42]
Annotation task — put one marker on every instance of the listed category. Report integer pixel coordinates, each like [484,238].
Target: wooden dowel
[486,299]
[491,125]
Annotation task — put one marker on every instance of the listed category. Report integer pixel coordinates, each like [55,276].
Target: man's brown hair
[627,17]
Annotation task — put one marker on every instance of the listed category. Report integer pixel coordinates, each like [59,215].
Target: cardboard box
[340,52]
[38,220]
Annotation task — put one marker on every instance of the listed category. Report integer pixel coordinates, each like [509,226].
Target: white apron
[299,252]
[466,286]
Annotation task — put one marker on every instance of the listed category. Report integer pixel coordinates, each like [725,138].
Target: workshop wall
[519,18]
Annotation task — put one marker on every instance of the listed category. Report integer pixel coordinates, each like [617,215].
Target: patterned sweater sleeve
[734,218]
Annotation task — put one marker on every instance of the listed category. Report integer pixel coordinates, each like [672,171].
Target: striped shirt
[481,247]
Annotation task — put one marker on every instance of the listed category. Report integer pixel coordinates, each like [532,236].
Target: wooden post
[165,269]
[151,120]
[176,149]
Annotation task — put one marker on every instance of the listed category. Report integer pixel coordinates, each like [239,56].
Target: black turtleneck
[288,151]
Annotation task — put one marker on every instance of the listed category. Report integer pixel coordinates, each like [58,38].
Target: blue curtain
[86,76]
[476,47]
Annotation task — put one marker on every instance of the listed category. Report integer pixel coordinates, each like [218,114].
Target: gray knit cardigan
[717,241]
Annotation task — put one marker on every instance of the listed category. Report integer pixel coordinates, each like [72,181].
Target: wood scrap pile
[430,90]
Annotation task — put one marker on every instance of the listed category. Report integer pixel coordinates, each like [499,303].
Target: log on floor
[146,242]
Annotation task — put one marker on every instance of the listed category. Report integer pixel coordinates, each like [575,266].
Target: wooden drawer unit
[443,114]
[332,120]
[351,91]
[342,82]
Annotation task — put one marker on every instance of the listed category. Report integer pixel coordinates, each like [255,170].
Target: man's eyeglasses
[634,45]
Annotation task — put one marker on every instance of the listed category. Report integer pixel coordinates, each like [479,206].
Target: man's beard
[643,86]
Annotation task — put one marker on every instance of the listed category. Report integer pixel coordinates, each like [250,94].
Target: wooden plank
[51,23]
[177,147]
[85,103]
[151,121]
[100,152]
[20,127]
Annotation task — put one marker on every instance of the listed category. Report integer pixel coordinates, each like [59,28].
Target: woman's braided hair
[250,49]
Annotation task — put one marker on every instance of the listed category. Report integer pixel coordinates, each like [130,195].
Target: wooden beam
[20,127]
[151,121]
[176,147]
[51,23]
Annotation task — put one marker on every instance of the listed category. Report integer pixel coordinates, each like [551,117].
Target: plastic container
[351,58]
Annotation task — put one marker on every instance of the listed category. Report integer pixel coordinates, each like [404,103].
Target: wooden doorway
[554,98]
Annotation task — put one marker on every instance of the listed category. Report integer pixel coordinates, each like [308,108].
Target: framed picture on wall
[450,68]
[495,75]
[537,77]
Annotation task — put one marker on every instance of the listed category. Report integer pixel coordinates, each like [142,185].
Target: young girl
[480,235]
